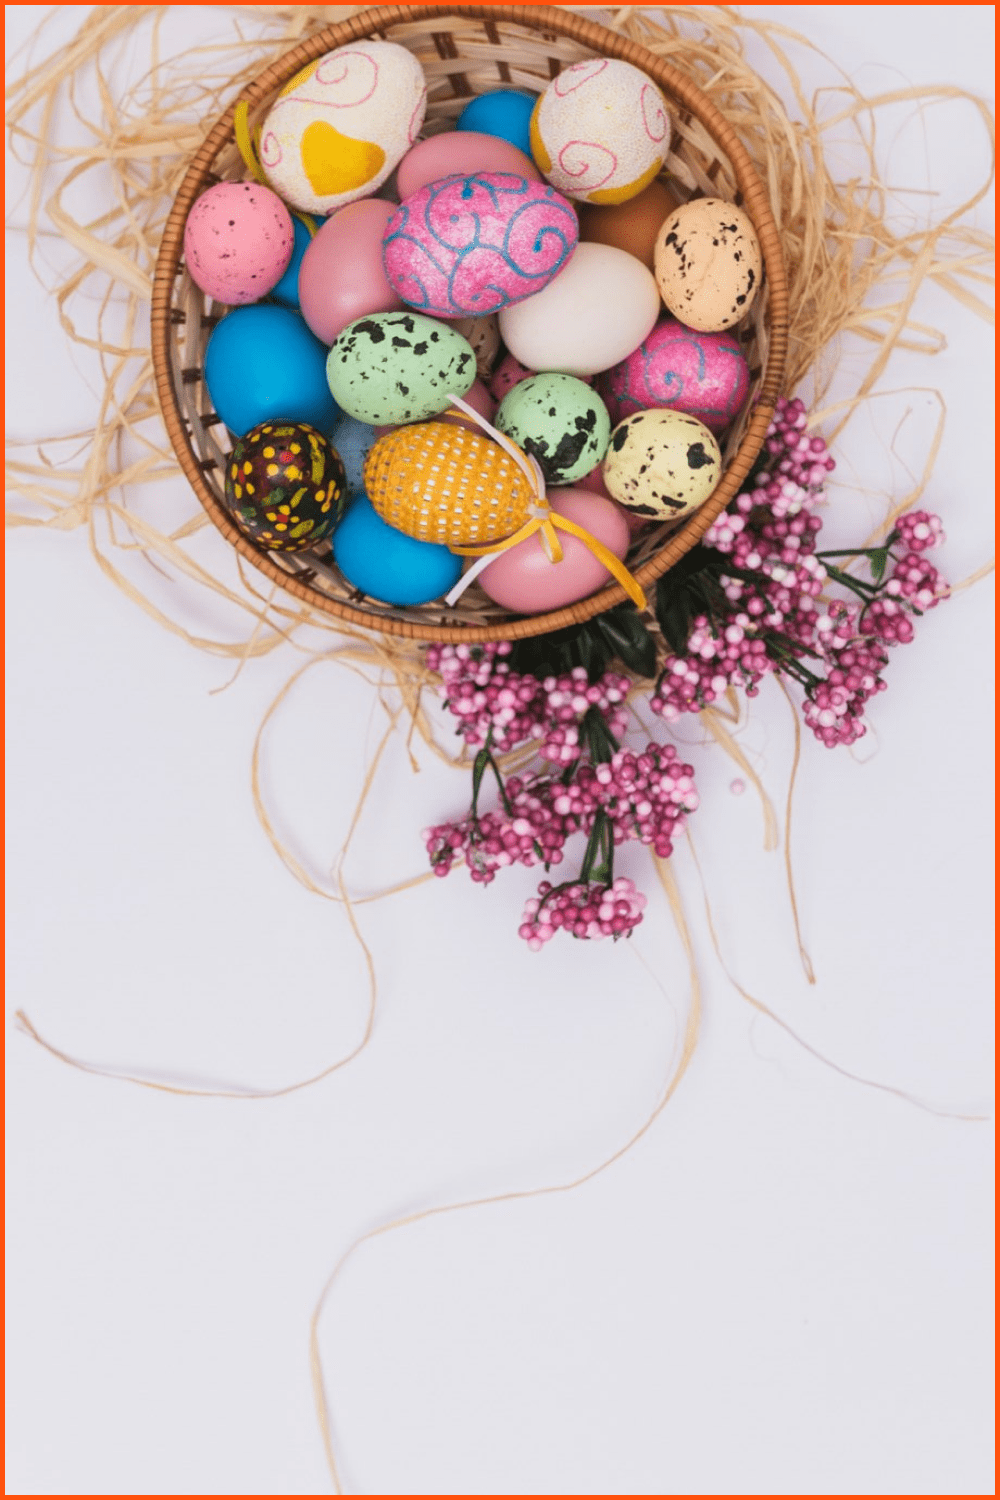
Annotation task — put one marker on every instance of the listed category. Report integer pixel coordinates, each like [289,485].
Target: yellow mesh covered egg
[443,483]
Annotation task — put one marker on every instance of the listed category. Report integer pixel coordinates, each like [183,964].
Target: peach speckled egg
[238,241]
[600,132]
[342,125]
[470,245]
[484,336]
[708,264]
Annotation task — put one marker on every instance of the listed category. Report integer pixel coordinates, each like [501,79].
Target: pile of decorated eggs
[426,342]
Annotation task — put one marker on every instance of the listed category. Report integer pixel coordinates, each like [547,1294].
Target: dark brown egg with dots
[285,486]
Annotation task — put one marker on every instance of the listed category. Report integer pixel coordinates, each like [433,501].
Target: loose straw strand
[676,1073]
[800,1041]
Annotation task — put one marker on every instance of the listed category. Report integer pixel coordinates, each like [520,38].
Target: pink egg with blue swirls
[703,375]
[469,245]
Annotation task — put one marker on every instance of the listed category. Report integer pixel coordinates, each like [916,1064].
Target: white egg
[598,309]
[340,127]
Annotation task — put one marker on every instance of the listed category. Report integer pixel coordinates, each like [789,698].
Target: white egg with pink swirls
[600,132]
[341,126]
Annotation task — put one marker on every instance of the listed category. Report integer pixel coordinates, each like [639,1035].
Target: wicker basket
[465,50]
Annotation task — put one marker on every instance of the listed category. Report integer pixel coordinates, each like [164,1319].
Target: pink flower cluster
[488,699]
[585,909]
[645,797]
[771,584]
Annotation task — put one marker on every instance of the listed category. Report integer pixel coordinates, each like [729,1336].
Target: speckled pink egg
[474,244]
[456,152]
[238,241]
[510,372]
[704,375]
[523,580]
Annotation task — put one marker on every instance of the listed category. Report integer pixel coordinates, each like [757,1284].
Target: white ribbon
[530,468]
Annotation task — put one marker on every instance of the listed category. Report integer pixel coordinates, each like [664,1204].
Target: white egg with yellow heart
[340,127]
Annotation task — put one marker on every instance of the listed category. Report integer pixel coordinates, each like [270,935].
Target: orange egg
[629,226]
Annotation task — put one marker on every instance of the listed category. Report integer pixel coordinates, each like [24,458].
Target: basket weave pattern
[465,50]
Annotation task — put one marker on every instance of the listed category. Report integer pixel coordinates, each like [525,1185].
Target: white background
[783,1289]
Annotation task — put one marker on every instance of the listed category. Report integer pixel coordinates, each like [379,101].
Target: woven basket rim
[541,18]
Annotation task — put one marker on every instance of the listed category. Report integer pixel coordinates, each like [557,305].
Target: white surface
[783,1289]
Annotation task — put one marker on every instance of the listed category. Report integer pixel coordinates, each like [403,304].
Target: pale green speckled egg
[662,464]
[398,367]
[561,421]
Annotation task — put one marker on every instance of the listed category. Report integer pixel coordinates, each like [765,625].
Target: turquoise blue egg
[504,112]
[388,564]
[352,440]
[287,290]
[262,362]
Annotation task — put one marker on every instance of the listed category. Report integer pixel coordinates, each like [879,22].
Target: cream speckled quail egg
[662,464]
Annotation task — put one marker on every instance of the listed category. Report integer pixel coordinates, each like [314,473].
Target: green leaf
[599,857]
[595,736]
[629,640]
[673,614]
[479,766]
[877,559]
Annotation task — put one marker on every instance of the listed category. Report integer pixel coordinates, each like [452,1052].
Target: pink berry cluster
[491,701]
[585,909]
[643,796]
[769,582]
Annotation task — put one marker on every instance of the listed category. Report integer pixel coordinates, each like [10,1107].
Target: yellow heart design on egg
[336,163]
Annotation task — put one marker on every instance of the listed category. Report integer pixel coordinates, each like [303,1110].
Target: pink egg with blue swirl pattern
[469,245]
[703,375]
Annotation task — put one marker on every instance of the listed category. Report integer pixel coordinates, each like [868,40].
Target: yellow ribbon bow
[542,520]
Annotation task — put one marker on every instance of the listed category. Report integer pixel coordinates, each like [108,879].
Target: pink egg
[524,581]
[469,245]
[703,375]
[238,241]
[341,277]
[460,151]
[478,398]
[594,482]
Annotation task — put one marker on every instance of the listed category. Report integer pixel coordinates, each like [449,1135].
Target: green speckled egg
[662,464]
[398,367]
[561,421]
[285,486]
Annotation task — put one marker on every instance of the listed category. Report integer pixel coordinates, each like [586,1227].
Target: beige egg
[484,336]
[708,264]
[662,464]
[598,309]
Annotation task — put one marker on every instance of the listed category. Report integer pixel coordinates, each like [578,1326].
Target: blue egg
[352,440]
[287,290]
[505,112]
[388,564]
[262,362]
